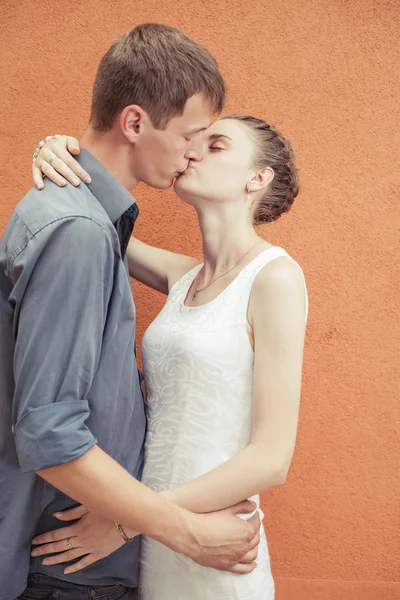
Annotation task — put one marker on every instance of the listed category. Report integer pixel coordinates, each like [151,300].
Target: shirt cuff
[53,435]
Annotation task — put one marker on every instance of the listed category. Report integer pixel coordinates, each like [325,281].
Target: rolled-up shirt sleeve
[66,281]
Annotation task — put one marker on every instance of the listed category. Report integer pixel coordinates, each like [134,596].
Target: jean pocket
[37,594]
[124,593]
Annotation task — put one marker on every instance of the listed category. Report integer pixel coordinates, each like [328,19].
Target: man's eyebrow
[218,136]
[196,131]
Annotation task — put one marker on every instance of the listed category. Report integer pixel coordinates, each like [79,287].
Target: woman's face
[225,168]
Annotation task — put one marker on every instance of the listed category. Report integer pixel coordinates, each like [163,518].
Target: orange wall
[327,73]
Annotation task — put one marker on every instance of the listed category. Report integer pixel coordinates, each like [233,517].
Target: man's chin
[161,185]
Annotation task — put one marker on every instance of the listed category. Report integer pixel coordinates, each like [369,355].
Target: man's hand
[223,541]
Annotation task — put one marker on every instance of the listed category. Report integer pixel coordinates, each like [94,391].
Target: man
[72,416]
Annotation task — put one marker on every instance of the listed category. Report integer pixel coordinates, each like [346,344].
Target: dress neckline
[193,272]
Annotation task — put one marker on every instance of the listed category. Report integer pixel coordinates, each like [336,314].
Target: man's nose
[195,151]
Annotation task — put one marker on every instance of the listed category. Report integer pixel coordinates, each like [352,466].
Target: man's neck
[112,152]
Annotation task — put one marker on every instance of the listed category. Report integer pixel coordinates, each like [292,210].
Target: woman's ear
[131,122]
[260,180]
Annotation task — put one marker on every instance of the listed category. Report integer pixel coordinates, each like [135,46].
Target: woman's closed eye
[212,148]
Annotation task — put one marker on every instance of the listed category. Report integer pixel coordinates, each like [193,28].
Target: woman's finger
[56,162]
[58,158]
[71,514]
[242,569]
[64,557]
[52,547]
[87,560]
[60,167]
[48,170]
[71,167]
[73,145]
[57,535]
[37,177]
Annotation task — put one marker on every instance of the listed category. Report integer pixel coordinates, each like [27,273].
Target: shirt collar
[114,198]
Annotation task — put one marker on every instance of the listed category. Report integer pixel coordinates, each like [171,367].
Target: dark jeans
[43,587]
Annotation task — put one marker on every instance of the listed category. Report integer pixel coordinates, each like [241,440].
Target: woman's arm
[277,310]
[156,268]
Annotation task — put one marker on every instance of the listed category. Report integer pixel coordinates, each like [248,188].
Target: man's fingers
[87,560]
[250,556]
[255,522]
[243,569]
[71,514]
[64,557]
[256,540]
[56,535]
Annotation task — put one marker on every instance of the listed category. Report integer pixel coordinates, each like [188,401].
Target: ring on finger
[54,156]
[69,545]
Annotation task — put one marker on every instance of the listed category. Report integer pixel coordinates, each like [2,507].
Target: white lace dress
[198,365]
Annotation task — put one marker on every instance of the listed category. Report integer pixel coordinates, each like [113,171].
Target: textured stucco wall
[327,74]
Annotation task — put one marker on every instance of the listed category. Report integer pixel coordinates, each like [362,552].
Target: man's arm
[61,319]
[59,326]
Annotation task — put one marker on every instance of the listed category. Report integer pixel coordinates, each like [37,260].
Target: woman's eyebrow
[218,136]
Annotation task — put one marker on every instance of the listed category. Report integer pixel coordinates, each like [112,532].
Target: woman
[222,360]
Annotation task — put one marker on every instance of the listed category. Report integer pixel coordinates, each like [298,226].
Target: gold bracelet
[122,533]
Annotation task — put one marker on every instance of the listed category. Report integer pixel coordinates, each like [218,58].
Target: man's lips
[187,169]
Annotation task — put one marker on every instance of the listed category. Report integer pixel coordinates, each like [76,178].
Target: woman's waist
[196,448]
[188,423]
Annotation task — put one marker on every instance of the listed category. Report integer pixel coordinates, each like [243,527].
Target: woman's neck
[226,238]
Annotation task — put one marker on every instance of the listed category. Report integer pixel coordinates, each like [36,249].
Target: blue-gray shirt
[68,372]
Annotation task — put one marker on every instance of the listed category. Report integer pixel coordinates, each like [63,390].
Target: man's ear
[260,180]
[131,121]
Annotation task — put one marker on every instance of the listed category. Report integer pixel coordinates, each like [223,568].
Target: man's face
[161,155]
[226,166]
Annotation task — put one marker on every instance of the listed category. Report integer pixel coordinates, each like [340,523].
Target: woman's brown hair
[272,150]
